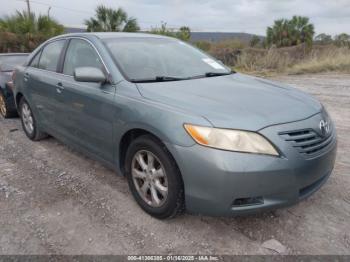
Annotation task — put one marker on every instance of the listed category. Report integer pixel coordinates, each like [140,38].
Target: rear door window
[51,55]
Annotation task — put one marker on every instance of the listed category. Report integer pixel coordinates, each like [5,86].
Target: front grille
[307,141]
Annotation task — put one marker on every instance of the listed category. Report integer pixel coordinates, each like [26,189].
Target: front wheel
[5,110]
[154,178]
[29,122]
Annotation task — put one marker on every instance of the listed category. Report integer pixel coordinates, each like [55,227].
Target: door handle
[59,87]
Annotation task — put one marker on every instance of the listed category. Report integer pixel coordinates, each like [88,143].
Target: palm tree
[302,30]
[29,30]
[111,20]
[279,34]
[286,32]
[24,23]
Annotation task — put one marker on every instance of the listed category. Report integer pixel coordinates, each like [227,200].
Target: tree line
[24,31]
[341,40]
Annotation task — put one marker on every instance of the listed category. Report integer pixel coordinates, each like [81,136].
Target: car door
[40,79]
[86,109]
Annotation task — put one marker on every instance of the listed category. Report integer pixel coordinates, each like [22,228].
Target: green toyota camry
[186,131]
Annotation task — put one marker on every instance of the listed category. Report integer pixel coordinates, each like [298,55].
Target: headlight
[232,140]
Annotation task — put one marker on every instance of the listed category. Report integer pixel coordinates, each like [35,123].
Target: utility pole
[48,12]
[28,7]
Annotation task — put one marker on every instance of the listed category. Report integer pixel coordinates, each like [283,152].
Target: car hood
[234,101]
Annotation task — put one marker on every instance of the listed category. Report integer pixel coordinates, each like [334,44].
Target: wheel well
[126,140]
[18,98]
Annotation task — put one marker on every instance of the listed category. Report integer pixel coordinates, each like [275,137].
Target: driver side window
[80,54]
[35,60]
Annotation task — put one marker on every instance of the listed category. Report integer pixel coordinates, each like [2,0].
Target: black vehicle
[8,62]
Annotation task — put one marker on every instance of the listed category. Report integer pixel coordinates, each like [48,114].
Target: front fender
[166,122]
[163,122]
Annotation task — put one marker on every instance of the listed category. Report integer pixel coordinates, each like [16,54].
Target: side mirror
[89,74]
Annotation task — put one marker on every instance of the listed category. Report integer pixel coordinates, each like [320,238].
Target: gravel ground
[54,200]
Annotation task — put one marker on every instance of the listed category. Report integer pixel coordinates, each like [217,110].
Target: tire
[172,202]
[34,133]
[5,110]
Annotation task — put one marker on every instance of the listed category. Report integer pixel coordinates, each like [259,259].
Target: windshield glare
[148,58]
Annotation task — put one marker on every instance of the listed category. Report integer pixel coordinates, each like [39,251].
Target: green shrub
[204,45]
[184,33]
[23,32]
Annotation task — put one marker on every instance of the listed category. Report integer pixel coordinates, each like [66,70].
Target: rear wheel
[29,122]
[154,178]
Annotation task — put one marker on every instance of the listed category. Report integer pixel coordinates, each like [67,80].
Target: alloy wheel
[149,178]
[27,118]
[2,105]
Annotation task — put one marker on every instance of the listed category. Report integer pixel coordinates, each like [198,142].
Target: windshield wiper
[210,74]
[158,79]
[172,78]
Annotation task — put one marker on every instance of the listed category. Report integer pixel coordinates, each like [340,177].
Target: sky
[249,16]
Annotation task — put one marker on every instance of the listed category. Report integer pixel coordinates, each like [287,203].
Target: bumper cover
[214,179]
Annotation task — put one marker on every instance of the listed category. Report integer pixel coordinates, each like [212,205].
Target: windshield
[161,59]
[9,62]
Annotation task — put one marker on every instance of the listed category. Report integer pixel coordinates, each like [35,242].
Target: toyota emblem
[324,127]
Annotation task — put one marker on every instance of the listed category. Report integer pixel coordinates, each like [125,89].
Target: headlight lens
[232,140]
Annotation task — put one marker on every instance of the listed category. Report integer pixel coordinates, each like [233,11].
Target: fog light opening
[248,201]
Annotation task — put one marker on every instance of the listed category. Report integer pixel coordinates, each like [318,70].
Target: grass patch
[333,60]
[287,60]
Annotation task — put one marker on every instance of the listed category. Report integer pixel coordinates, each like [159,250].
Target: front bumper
[223,183]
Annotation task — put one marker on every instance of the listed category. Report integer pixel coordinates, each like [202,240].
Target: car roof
[121,35]
[14,54]
[110,35]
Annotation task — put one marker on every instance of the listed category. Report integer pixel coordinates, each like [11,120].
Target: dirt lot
[56,201]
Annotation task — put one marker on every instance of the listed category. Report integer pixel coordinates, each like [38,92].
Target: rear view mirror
[89,74]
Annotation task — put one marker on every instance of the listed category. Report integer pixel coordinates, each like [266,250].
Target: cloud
[252,16]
